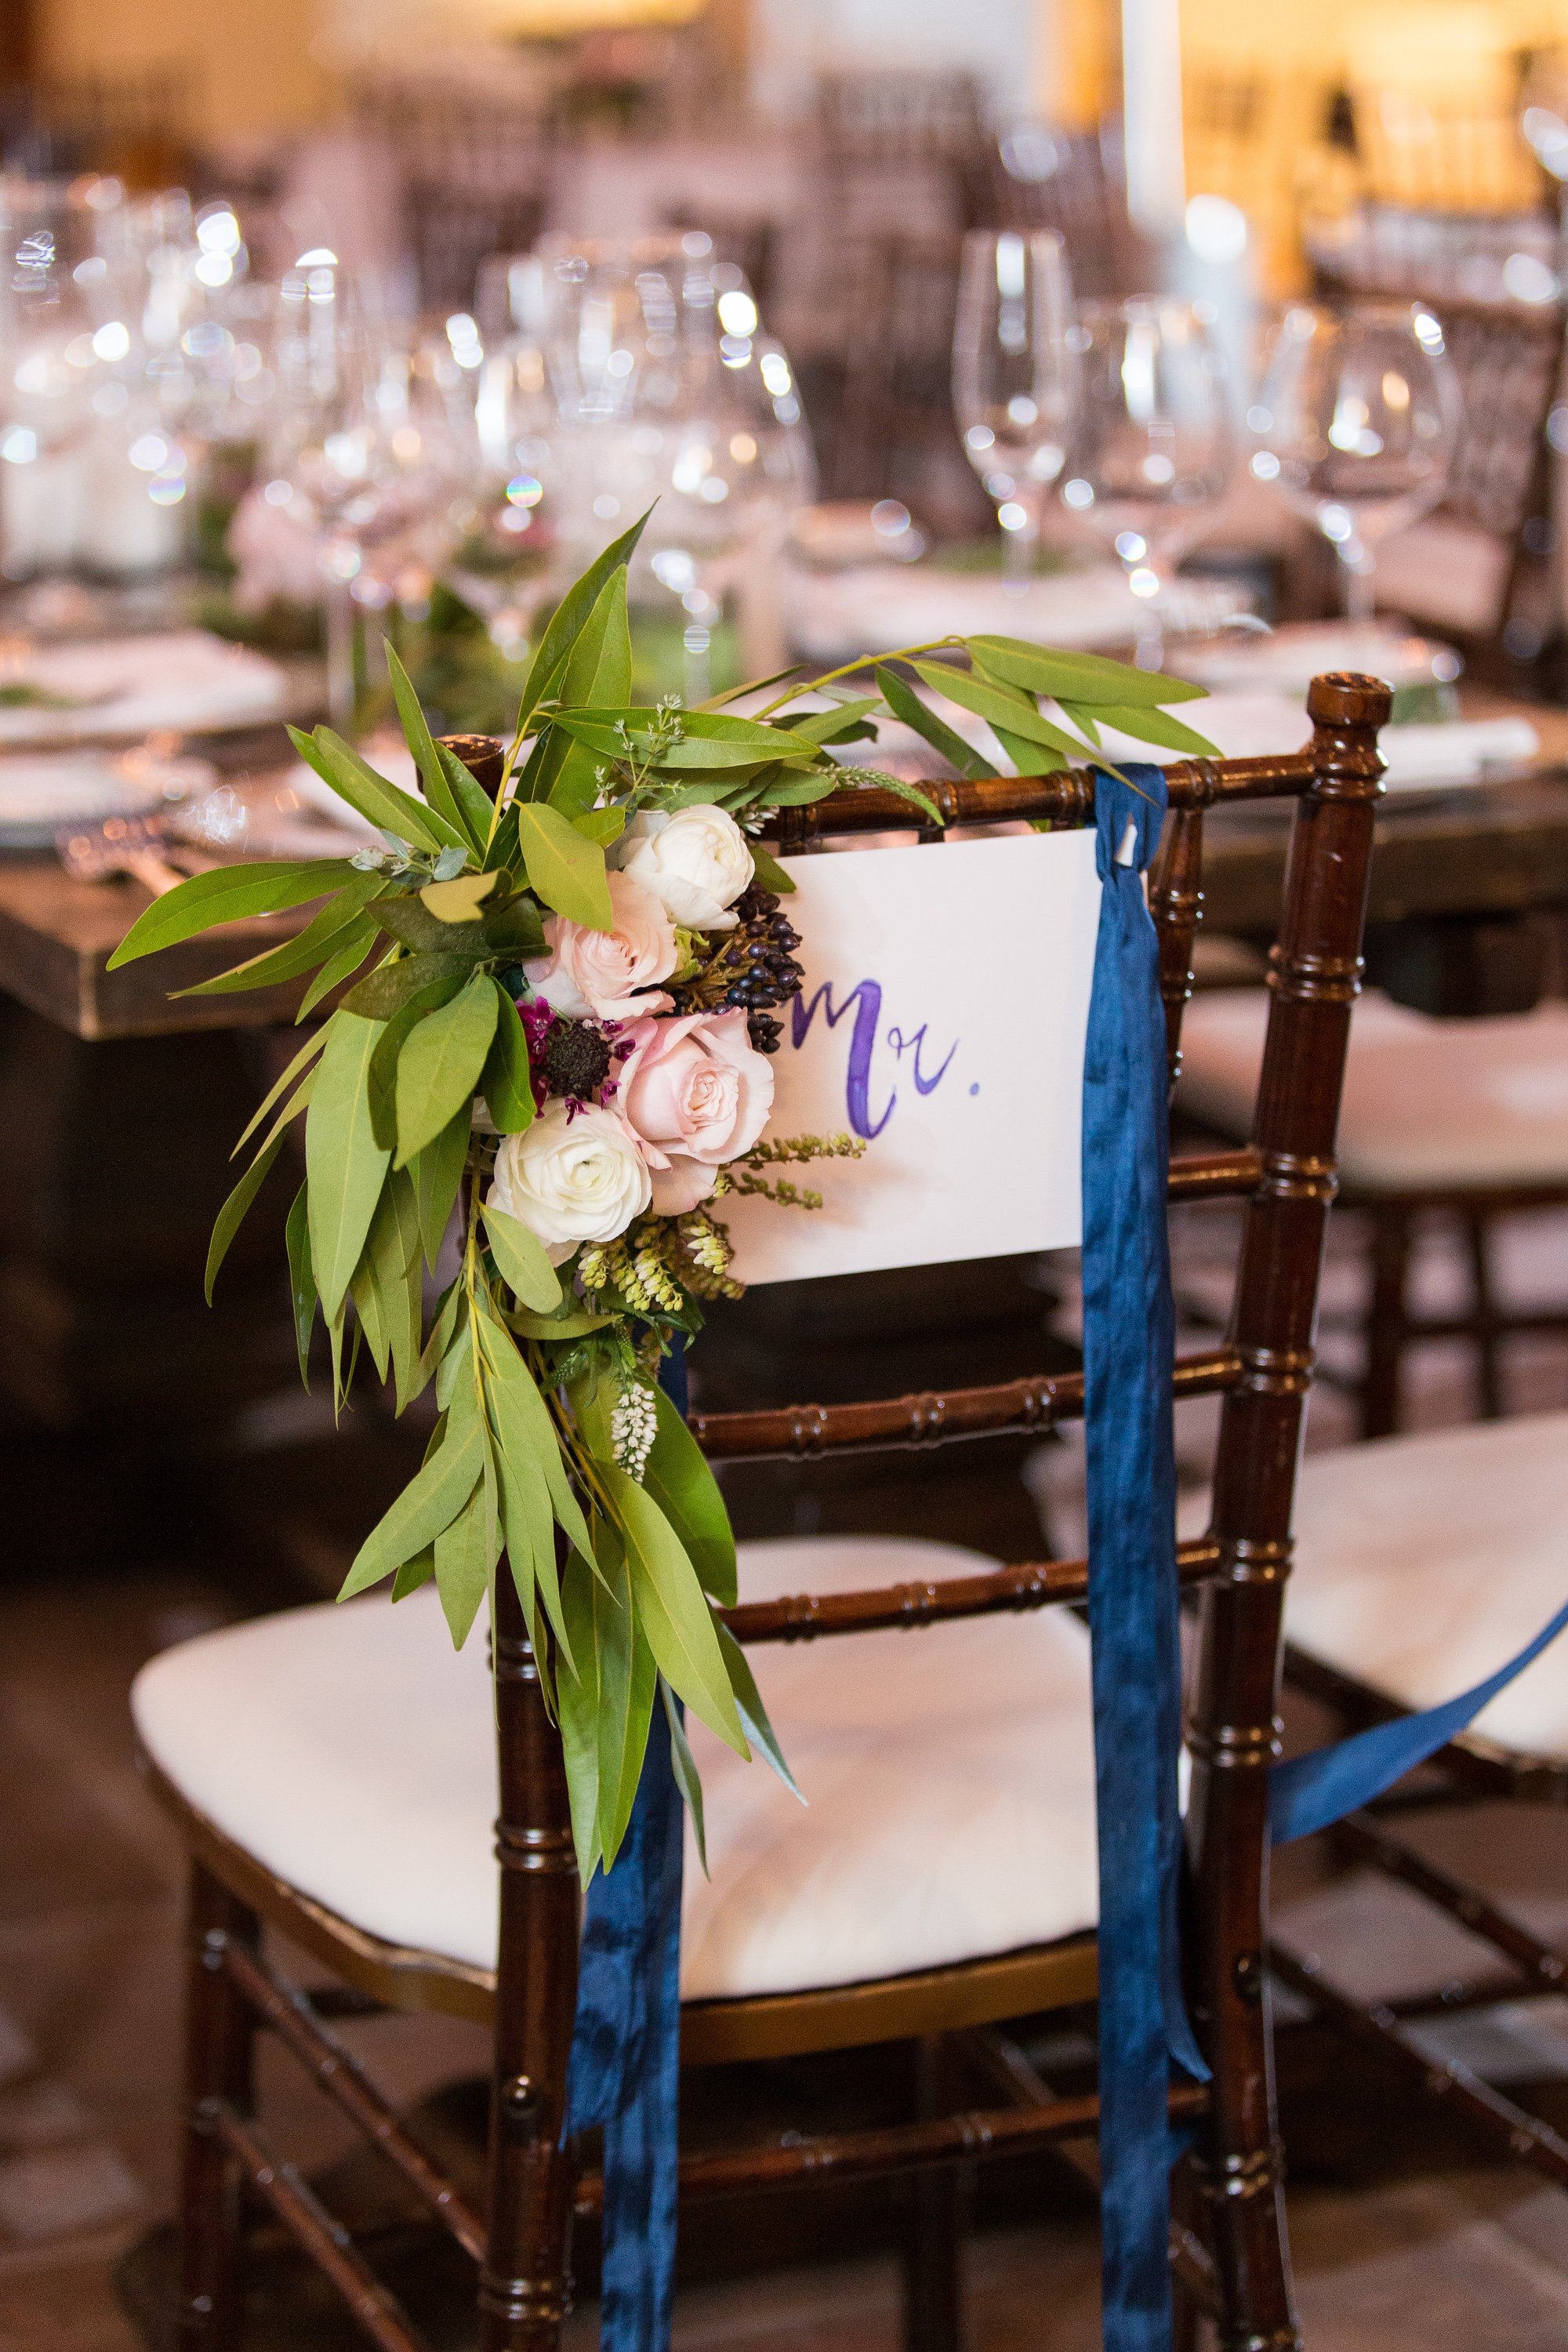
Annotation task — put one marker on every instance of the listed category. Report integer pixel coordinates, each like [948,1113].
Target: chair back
[1286,1177]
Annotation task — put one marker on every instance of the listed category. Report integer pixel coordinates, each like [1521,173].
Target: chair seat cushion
[949,1774]
[1423,1563]
[1429,1105]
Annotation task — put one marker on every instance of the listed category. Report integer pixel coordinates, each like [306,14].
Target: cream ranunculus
[696,863]
[612,974]
[573,1176]
[696,1094]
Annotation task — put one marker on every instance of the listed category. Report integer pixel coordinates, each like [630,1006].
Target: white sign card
[942,1019]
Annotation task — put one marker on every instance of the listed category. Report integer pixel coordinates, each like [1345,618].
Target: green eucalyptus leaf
[428,1506]
[677,1477]
[233,1214]
[322,937]
[671,1605]
[1078,678]
[1031,759]
[555,645]
[344,1162]
[1147,726]
[768,870]
[379,800]
[575,1324]
[516,1394]
[355,944]
[428,998]
[433,774]
[301,1281]
[383,994]
[565,869]
[827,726]
[515,930]
[437,1174]
[905,703]
[230,894]
[524,1266]
[577,1699]
[998,706]
[686,1778]
[306,1055]
[627,1678]
[754,1714]
[439,1064]
[466,1552]
[404,917]
[413,1573]
[505,1081]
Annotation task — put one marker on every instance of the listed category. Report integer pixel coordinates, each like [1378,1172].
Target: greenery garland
[466,1075]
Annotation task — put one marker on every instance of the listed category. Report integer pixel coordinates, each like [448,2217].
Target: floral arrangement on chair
[563,1034]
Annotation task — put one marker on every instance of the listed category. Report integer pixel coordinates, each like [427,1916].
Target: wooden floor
[1404,2241]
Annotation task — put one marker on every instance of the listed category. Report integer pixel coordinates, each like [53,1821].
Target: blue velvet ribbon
[1129,1337]
[625,2071]
[1311,1792]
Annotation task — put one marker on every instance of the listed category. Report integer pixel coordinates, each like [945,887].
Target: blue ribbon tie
[1128,1341]
[625,2070]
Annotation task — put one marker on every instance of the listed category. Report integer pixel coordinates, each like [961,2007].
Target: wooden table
[118,1106]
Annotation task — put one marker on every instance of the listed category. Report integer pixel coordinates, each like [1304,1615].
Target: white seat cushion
[1428,1104]
[1423,1563]
[950,1774]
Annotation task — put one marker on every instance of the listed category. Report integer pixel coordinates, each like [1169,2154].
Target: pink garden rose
[609,975]
[696,1094]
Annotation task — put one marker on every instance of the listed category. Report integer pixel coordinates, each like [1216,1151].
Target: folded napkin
[39,793]
[122,687]
[1420,758]
[830,615]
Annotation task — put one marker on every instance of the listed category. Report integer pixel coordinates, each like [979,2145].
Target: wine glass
[1016,377]
[1156,447]
[1357,418]
[374,458]
[668,389]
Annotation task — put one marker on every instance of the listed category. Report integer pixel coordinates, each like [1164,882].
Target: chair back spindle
[1234,1729]
[525,2285]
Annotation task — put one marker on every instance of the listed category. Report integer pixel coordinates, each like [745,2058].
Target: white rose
[696,863]
[609,973]
[573,1176]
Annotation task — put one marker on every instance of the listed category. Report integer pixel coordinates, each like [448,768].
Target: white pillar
[1152,109]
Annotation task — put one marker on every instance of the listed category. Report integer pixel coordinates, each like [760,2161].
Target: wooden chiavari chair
[331,1773]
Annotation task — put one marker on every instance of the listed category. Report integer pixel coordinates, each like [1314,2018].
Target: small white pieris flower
[634,1424]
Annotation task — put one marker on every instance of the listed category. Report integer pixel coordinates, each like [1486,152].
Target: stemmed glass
[668,389]
[375,456]
[1156,447]
[1016,377]
[1357,417]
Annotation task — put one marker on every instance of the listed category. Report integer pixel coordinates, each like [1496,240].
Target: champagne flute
[1357,419]
[1016,377]
[1156,447]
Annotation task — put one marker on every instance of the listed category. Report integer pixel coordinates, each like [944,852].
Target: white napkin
[877,607]
[122,687]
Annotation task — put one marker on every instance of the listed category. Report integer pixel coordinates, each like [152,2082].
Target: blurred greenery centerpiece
[547,1063]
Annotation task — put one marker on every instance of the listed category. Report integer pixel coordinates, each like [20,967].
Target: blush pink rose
[696,1094]
[609,975]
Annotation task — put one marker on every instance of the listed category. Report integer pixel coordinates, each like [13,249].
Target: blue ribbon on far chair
[1128,1336]
[626,2044]
[1311,1792]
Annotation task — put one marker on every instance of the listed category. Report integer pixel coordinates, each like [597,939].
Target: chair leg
[219,2037]
[1386,1330]
[526,2282]
[1483,1304]
[938,2222]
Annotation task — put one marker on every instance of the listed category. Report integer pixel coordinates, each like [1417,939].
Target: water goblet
[1016,377]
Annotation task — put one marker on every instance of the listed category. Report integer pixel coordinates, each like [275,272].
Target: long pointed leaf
[905,703]
[422,743]
[505,1081]
[1094,678]
[229,894]
[439,1066]
[676,1475]
[301,1281]
[686,1778]
[427,1506]
[235,1210]
[342,1158]
[568,619]
[754,1714]
[307,1052]
[564,868]
[672,1610]
[382,802]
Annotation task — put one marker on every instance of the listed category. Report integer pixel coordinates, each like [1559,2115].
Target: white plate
[117,689]
[39,794]
[1286,660]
